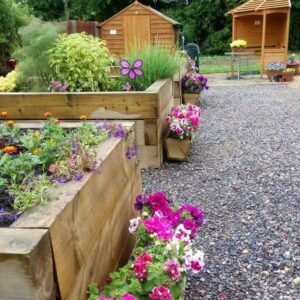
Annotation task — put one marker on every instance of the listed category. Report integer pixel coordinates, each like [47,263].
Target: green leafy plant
[34,70]
[158,63]
[81,61]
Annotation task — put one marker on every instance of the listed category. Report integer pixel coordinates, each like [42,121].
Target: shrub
[158,63]
[82,62]
[35,72]
[8,83]
[12,17]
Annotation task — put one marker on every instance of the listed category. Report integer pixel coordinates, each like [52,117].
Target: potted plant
[163,255]
[192,85]
[238,45]
[182,122]
[293,63]
[274,69]
[288,75]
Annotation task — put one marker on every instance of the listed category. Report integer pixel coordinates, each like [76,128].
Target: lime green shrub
[159,63]
[82,61]
[34,70]
[8,83]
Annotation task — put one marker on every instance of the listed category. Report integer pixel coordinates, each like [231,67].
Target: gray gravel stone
[244,172]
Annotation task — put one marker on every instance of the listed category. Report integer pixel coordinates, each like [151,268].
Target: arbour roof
[256,5]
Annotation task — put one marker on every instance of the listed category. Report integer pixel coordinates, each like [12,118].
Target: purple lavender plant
[57,86]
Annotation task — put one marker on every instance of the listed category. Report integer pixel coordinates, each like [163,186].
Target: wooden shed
[264,24]
[138,24]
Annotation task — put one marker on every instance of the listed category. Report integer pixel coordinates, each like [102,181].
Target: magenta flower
[158,202]
[160,293]
[105,298]
[161,226]
[131,72]
[128,297]
[140,201]
[172,268]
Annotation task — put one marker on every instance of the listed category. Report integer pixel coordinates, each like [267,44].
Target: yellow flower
[56,121]
[83,117]
[36,135]
[37,151]
[52,141]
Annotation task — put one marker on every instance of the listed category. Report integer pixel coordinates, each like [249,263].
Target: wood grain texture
[87,223]
[114,105]
[26,265]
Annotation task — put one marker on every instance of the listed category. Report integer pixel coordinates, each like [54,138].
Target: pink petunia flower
[53,168]
[160,293]
[128,297]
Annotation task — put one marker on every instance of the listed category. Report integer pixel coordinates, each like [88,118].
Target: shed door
[136,31]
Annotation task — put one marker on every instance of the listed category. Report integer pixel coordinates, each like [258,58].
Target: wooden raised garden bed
[148,108]
[54,251]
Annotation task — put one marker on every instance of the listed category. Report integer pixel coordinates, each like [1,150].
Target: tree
[12,17]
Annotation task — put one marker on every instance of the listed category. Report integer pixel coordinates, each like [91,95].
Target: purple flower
[120,133]
[78,177]
[140,201]
[131,72]
[131,152]
[61,180]
[127,87]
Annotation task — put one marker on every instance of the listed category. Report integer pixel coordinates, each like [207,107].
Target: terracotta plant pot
[271,74]
[191,98]
[295,66]
[287,77]
[238,49]
[177,150]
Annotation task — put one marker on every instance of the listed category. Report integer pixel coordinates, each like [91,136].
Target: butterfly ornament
[131,72]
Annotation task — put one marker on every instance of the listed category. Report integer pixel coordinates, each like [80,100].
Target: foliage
[159,63]
[32,161]
[163,255]
[81,61]
[183,121]
[8,83]
[12,16]
[34,70]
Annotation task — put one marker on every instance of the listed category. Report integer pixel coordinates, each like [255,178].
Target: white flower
[134,224]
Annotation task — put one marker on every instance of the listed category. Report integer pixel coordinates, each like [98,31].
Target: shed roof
[256,5]
[145,7]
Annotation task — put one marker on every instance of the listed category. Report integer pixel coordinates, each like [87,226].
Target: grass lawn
[221,64]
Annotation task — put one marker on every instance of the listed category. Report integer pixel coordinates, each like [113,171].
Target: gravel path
[244,172]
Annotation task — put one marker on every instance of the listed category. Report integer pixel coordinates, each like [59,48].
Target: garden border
[149,108]
[77,240]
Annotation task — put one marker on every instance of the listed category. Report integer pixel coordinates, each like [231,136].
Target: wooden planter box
[191,98]
[54,251]
[177,149]
[149,108]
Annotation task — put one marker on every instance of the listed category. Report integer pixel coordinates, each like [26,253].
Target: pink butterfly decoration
[131,72]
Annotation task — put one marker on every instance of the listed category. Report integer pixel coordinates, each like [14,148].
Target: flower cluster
[31,161]
[275,66]
[57,86]
[163,255]
[194,83]
[238,44]
[183,121]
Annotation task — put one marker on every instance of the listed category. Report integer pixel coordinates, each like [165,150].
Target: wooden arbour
[264,24]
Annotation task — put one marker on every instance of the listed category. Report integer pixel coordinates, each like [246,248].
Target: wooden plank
[114,105]
[84,219]
[150,155]
[151,132]
[136,31]
[26,266]
[140,132]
